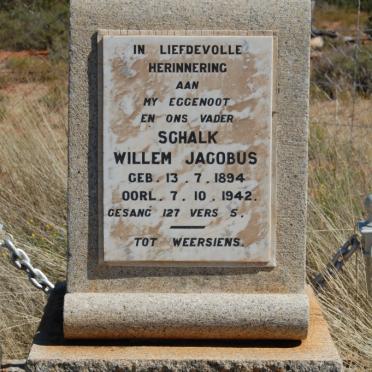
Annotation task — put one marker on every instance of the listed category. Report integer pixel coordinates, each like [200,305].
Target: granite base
[51,352]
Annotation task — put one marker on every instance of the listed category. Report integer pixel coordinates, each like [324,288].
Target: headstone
[187,172]
[187,182]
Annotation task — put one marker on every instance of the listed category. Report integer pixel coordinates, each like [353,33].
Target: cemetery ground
[33,174]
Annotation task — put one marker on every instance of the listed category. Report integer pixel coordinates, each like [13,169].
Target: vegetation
[30,69]
[33,171]
[365,5]
[35,24]
[342,67]
[340,177]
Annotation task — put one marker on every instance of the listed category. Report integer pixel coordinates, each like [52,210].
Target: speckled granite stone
[186,316]
[291,21]
[50,352]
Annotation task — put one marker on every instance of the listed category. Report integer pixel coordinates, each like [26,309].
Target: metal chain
[352,245]
[21,260]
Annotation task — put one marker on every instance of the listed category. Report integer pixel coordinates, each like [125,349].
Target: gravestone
[187,178]
[185,172]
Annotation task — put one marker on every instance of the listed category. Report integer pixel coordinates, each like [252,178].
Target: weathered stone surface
[185,316]
[184,138]
[50,352]
[291,21]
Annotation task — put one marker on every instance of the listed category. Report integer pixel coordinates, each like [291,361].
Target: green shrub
[338,71]
[35,24]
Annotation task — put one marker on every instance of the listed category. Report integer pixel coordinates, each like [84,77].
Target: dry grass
[33,168]
[338,19]
[340,176]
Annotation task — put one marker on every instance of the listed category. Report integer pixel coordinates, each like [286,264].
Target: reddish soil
[22,89]
[5,54]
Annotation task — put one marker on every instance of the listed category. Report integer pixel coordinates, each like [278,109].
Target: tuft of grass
[29,69]
[2,106]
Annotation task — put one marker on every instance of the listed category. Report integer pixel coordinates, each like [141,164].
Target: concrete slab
[51,352]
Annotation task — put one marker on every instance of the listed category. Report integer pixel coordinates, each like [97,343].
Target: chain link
[352,245]
[21,261]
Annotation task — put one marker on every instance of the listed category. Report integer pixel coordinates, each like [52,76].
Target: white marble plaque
[187,149]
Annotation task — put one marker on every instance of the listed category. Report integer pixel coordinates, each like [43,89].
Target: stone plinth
[51,352]
[186,316]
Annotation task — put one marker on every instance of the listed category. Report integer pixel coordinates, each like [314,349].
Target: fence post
[365,228]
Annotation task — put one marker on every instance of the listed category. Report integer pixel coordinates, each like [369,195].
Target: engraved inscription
[187,149]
